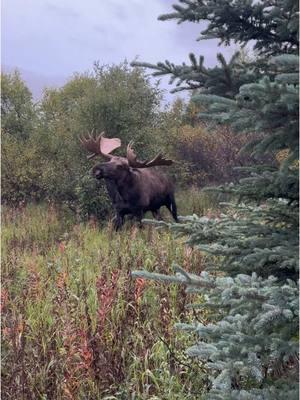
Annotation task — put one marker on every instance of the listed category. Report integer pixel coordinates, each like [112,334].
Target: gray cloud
[61,37]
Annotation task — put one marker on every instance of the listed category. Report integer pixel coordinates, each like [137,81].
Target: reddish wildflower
[106,295]
[140,284]
[34,279]
[84,351]
[78,358]
[61,280]
[3,298]
[6,332]
[61,247]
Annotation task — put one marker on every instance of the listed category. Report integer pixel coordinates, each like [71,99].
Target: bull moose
[134,186]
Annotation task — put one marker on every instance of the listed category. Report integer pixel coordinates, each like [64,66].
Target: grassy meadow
[75,325]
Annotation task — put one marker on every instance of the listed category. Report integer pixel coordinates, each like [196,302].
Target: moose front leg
[139,216]
[121,210]
[118,220]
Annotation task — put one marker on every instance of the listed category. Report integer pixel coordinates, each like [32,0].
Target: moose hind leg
[157,215]
[171,205]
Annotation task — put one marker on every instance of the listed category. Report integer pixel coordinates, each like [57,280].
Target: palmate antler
[104,146]
[100,145]
[135,163]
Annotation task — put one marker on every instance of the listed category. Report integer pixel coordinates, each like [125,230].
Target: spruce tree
[251,349]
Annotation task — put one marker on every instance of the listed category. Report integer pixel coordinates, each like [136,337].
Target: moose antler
[135,163]
[100,145]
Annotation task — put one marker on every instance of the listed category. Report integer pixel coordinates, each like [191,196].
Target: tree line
[42,159]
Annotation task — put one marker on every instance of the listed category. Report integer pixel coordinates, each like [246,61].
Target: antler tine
[135,163]
[91,144]
[159,160]
[132,158]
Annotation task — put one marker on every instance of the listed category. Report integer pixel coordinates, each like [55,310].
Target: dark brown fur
[135,191]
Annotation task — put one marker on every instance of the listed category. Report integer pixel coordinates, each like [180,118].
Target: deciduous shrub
[210,156]
[92,199]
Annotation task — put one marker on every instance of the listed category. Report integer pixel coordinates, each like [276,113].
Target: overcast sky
[60,37]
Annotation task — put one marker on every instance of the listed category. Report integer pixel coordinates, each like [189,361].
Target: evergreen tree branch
[271,24]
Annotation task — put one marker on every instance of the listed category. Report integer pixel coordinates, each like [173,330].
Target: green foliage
[116,99]
[74,322]
[92,199]
[51,164]
[17,110]
[273,25]
[20,171]
[223,80]
[264,106]
[254,343]
[251,350]
[248,238]
[191,200]
[263,183]
[106,100]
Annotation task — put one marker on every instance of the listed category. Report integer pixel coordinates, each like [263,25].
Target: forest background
[76,322]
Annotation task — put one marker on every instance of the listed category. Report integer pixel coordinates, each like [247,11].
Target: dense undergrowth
[75,325]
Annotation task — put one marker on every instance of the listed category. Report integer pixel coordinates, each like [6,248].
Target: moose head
[116,168]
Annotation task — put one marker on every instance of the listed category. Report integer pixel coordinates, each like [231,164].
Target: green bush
[41,156]
[17,109]
[20,171]
[92,199]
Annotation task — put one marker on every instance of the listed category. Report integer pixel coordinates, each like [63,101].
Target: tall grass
[74,323]
[194,201]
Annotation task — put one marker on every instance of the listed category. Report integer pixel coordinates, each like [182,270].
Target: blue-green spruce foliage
[252,348]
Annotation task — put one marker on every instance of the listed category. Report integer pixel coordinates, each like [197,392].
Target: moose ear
[107,145]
